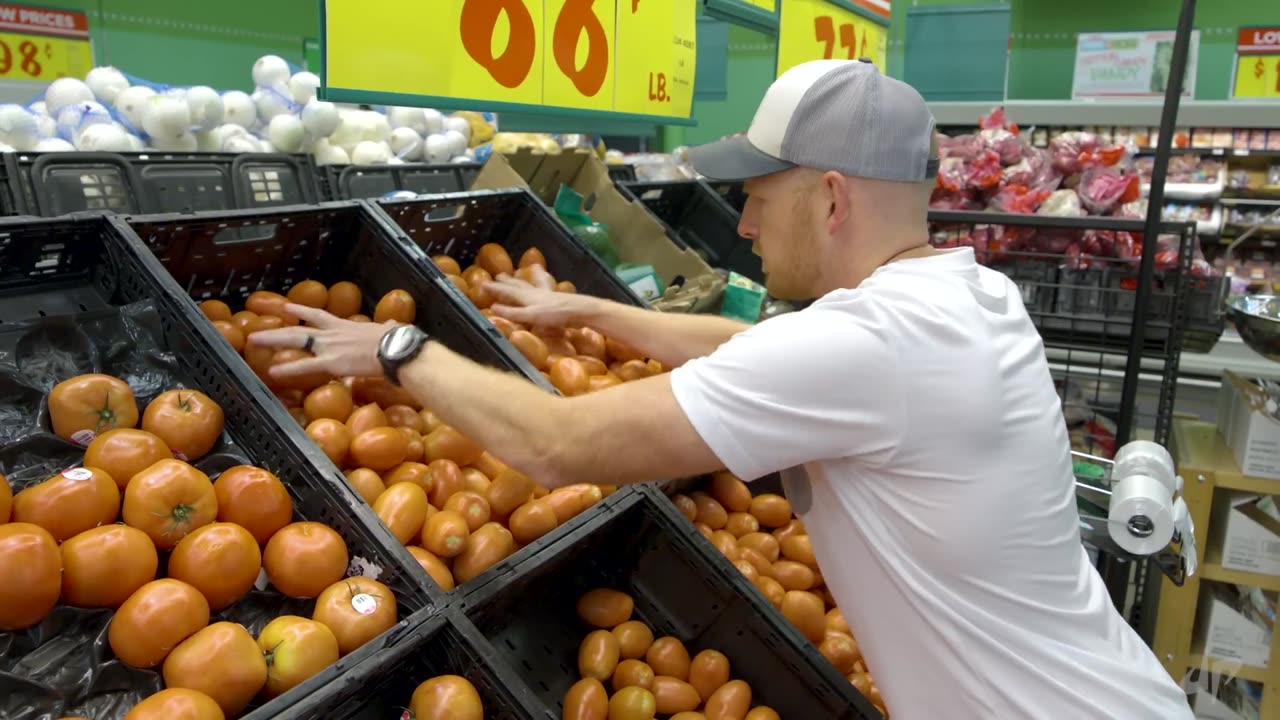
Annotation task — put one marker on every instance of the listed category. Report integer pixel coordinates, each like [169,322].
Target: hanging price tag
[566,57]
[1257,76]
[41,44]
[827,30]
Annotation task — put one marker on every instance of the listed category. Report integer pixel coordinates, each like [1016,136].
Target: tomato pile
[629,675]
[457,508]
[576,359]
[221,538]
[766,542]
[446,697]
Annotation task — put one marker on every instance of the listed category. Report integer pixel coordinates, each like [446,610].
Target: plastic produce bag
[1017,199]
[595,236]
[943,199]
[996,120]
[983,171]
[1102,189]
[1062,203]
[1008,146]
[963,147]
[1034,170]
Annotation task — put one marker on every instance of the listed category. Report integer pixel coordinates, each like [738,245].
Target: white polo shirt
[923,445]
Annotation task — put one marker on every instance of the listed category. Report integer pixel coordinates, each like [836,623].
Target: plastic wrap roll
[1141,515]
[1143,457]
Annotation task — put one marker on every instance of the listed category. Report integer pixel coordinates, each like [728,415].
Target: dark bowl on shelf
[1257,319]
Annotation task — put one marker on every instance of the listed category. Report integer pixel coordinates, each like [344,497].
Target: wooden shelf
[1227,668]
[1212,570]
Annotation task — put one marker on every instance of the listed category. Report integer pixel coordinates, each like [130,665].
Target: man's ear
[840,207]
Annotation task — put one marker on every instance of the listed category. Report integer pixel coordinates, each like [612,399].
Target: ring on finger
[310,343]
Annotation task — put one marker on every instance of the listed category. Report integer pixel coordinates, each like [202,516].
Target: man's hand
[340,347]
[538,305]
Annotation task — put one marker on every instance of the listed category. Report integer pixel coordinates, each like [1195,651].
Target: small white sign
[1129,65]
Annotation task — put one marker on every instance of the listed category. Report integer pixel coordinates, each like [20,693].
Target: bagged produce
[1009,146]
[1017,199]
[943,199]
[996,120]
[964,147]
[1034,170]
[1062,203]
[1102,189]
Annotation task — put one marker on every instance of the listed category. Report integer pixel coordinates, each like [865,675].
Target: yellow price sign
[43,44]
[1257,76]
[568,57]
[824,30]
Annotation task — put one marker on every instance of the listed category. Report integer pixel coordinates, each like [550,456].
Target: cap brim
[733,159]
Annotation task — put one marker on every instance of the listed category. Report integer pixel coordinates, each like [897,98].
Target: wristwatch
[399,346]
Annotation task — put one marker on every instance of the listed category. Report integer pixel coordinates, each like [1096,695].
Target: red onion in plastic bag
[1062,203]
[964,147]
[1102,189]
[1008,146]
[983,171]
[1017,199]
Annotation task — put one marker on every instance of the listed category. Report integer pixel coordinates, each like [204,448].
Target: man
[910,409]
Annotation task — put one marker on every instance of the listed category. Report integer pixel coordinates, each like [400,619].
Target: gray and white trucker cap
[841,115]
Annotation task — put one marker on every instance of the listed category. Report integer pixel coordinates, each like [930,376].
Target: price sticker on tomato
[827,30]
[566,57]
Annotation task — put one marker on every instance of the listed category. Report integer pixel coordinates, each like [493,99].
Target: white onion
[74,118]
[240,144]
[18,127]
[209,141]
[272,101]
[66,91]
[320,118]
[302,86]
[434,121]
[106,83]
[206,107]
[327,154]
[461,159]
[286,133]
[39,108]
[406,144]
[46,127]
[460,125]
[395,161]
[239,109]
[136,144]
[270,70]
[182,142]
[131,101]
[104,138]
[54,145]
[457,142]
[406,117]
[438,149]
[377,128]
[166,119]
[350,130]
[371,153]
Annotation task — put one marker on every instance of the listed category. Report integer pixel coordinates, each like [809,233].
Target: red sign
[1258,40]
[43,21]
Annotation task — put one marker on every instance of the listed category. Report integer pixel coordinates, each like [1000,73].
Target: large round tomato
[168,500]
[69,503]
[253,498]
[220,560]
[304,558]
[154,620]
[177,704]
[125,452]
[6,499]
[85,405]
[447,697]
[221,661]
[102,567]
[295,648]
[357,610]
[32,572]
[188,420]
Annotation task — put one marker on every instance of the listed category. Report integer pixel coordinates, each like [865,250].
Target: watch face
[399,342]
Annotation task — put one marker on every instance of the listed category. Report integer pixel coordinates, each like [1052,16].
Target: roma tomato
[125,452]
[403,509]
[177,704]
[445,443]
[221,661]
[254,499]
[397,305]
[447,697]
[220,560]
[344,300]
[357,610]
[366,482]
[331,400]
[67,504]
[189,421]
[434,566]
[85,405]
[264,302]
[32,572]
[332,436]
[6,499]
[168,500]
[102,567]
[232,334]
[379,449]
[304,558]
[366,417]
[295,648]
[154,620]
[445,481]
[311,293]
[486,547]
[215,310]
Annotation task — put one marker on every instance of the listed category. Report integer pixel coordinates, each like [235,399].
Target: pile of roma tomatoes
[576,360]
[94,537]
[627,674]
[457,508]
[769,545]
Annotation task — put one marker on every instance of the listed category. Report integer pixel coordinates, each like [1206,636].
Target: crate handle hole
[239,235]
[444,214]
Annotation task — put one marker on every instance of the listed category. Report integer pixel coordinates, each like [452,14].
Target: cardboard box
[1249,430]
[638,236]
[1247,528]
[1226,631]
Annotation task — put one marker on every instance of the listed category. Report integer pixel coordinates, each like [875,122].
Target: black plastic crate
[622,173]
[458,224]
[681,586]
[701,219]
[57,183]
[1037,281]
[86,264]
[355,182]
[732,193]
[441,644]
[228,255]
